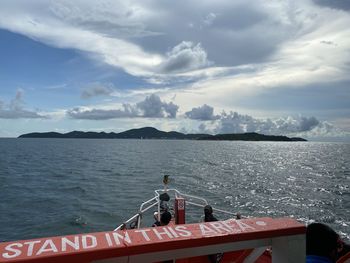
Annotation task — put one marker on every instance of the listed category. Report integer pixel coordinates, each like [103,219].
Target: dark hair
[165,218]
[208,214]
[321,240]
[208,210]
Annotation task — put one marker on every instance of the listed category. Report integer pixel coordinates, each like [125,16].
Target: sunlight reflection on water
[54,187]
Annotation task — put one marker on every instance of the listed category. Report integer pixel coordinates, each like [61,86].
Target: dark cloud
[98,18]
[15,109]
[97,114]
[171,109]
[96,90]
[331,43]
[239,17]
[307,124]
[151,107]
[235,123]
[203,113]
[20,114]
[183,57]
[231,48]
[232,33]
[336,4]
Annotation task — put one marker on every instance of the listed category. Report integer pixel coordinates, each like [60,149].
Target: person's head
[321,240]
[165,218]
[208,210]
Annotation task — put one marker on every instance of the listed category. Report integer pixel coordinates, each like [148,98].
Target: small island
[153,133]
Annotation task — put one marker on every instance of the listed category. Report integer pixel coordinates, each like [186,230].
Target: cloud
[281,41]
[20,114]
[15,110]
[135,36]
[107,32]
[307,124]
[186,56]
[112,18]
[232,32]
[171,109]
[96,89]
[150,107]
[153,107]
[337,4]
[99,114]
[83,26]
[226,53]
[209,19]
[204,113]
[328,43]
[234,122]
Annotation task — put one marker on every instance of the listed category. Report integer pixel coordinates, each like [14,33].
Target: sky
[226,66]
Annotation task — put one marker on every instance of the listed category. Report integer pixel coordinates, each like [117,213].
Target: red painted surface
[94,246]
[344,259]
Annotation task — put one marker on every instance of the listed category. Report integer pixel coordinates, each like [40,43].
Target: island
[153,133]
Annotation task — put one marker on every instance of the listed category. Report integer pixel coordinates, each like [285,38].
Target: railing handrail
[157,202]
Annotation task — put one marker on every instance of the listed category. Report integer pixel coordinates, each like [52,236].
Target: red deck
[155,244]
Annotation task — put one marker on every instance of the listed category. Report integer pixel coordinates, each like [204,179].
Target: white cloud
[254,45]
[15,109]
[185,57]
[127,35]
[234,122]
[41,22]
[103,31]
[150,107]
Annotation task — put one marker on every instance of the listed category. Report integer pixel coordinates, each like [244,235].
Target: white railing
[201,202]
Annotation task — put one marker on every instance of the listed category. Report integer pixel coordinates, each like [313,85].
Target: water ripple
[54,187]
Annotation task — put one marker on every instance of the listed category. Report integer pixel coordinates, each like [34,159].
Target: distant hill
[150,133]
[251,136]
[153,133]
[142,133]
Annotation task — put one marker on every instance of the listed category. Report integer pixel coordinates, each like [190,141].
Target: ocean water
[54,187]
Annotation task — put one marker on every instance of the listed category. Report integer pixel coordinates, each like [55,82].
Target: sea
[51,187]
